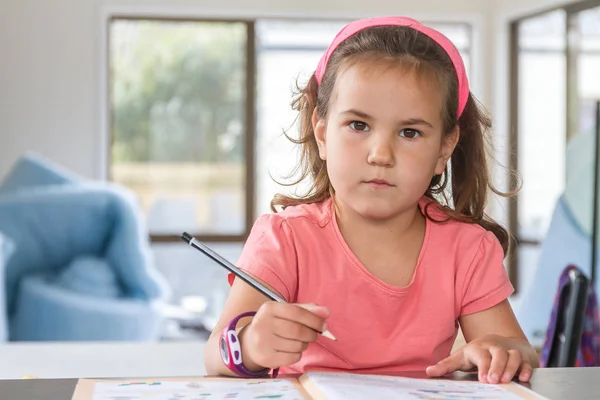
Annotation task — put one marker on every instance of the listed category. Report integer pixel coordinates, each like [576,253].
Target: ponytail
[470,175]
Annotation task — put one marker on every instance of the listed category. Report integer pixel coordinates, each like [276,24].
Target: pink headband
[356,26]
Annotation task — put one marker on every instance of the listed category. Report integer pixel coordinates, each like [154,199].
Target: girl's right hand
[279,333]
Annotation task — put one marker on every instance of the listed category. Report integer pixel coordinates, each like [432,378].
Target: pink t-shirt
[301,253]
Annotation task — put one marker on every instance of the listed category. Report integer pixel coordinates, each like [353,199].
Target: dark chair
[566,326]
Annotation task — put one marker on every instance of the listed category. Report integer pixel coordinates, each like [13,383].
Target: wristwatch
[231,351]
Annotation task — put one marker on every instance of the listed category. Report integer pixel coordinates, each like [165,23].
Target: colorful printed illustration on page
[275,389]
[455,390]
[344,386]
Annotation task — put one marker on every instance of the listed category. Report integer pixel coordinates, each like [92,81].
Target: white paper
[275,389]
[337,386]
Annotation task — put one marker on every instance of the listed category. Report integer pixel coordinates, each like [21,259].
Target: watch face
[224,352]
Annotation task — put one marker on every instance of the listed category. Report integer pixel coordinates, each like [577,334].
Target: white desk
[101,360]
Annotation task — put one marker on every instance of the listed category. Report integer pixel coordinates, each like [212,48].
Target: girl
[388,130]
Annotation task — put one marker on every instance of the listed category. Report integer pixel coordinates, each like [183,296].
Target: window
[180,124]
[541,129]
[555,56]
[287,54]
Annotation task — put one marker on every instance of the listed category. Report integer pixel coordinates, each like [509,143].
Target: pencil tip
[328,335]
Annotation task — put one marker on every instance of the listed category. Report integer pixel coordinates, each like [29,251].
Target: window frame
[249,124]
[513,109]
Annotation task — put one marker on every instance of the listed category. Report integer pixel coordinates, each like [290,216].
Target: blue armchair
[81,266]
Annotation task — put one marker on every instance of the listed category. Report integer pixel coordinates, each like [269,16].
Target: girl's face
[383,138]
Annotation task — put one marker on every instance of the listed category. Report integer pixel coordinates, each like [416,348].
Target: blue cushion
[31,170]
[6,249]
[91,276]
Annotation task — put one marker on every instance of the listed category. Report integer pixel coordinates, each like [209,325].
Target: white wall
[47,80]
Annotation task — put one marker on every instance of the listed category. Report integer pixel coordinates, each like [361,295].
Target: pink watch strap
[231,351]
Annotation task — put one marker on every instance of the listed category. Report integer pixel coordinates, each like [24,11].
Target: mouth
[379,183]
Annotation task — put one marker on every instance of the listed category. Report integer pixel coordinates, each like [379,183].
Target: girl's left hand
[496,358]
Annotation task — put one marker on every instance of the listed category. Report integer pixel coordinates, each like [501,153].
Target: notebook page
[345,386]
[234,389]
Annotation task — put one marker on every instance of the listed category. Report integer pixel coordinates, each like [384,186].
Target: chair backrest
[573,335]
[567,322]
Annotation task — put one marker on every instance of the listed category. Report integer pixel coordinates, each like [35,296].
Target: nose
[381,152]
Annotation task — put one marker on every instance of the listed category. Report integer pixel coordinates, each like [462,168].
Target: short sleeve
[485,281]
[270,255]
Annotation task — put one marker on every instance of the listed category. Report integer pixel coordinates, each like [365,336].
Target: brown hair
[468,175]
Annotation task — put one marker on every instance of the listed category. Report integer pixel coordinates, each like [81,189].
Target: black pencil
[239,273]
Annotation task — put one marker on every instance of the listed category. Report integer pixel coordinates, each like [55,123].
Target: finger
[498,364]
[280,359]
[321,311]
[482,359]
[287,346]
[526,372]
[302,314]
[447,365]
[292,330]
[512,365]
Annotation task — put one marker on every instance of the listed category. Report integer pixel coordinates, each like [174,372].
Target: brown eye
[359,126]
[410,133]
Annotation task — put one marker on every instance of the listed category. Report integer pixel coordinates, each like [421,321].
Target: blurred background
[124,123]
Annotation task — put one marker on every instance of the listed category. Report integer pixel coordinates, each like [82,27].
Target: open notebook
[312,385]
